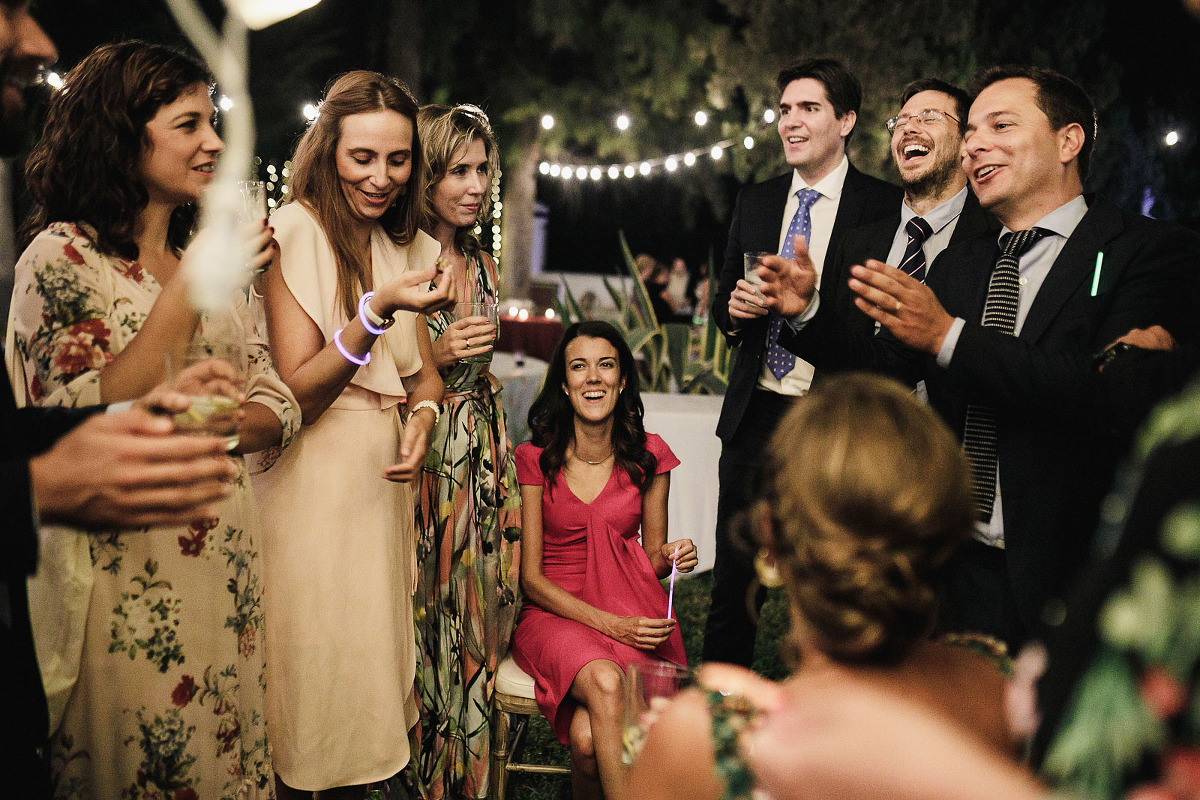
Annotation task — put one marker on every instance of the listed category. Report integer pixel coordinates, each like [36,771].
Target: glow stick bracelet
[674,570]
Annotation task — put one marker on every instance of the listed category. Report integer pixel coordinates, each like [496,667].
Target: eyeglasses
[925,117]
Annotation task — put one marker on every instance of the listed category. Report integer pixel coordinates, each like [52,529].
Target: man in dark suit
[1011,336]
[77,466]
[938,209]
[821,198]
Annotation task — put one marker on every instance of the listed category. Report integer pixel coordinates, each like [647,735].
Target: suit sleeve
[1155,287]
[831,345]
[731,271]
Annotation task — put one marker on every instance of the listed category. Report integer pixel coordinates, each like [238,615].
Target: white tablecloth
[688,423]
[520,386]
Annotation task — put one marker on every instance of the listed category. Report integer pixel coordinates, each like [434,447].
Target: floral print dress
[468,531]
[168,703]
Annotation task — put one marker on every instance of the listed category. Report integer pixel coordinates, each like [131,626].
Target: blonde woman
[468,512]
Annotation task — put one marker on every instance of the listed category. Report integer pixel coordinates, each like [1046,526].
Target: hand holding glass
[649,685]
[213,376]
[479,314]
[750,262]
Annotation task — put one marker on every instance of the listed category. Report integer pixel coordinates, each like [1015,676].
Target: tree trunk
[517,226]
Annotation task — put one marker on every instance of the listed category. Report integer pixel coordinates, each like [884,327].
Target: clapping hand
[788,284]
[902,304]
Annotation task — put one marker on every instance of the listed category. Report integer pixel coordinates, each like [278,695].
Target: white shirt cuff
[798,322]
[950,342]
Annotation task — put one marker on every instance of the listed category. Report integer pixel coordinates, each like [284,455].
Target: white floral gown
[170,692]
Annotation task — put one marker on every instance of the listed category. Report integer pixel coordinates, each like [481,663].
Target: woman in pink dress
[591,478]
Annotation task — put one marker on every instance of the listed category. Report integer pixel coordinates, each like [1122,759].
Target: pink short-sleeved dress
[592,550]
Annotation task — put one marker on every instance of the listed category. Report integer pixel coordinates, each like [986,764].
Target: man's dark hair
[1061,99]
[841,85]
[961,97]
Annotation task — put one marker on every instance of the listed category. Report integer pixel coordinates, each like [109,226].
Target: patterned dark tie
[913,263]
[1000,312]
[779,359]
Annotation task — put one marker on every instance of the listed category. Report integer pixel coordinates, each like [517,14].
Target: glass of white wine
[215,390]
[649,686]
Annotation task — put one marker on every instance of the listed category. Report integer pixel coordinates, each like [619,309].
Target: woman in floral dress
[167,661]
[468,512]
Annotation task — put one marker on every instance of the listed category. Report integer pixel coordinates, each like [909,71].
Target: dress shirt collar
[1062,220]
[939,216]
[830,186]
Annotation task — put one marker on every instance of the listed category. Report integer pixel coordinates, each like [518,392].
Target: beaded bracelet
[432,406]
[371,321]
[353,359]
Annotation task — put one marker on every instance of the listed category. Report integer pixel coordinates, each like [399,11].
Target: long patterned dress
[168,639]
[468,531]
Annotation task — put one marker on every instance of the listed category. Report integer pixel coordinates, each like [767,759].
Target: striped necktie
[780,360]
[913,263]
[1000,312]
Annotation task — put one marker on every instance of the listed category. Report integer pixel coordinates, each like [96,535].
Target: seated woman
[589,480]
[865,495]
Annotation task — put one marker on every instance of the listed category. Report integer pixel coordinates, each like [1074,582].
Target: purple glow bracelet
[353,359]
[364,310]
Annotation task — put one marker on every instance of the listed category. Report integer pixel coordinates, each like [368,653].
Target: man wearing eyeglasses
[938,208]
[818,200]
[1005,334]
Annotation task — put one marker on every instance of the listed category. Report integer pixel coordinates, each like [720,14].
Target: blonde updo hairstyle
[444,131]
[865,495]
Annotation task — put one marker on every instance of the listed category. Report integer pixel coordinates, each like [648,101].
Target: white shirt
[943,219]
[821,217]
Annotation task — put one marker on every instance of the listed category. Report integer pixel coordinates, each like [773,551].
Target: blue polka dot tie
[779,360]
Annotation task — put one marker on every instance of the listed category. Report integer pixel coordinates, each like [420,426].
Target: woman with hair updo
[865,495]
[468,509]
[342,313]
[152,648]
[590,479]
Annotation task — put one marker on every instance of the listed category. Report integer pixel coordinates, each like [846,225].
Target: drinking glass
[490,314]
[648,687]
[215,403]
[254,201]
[750,263]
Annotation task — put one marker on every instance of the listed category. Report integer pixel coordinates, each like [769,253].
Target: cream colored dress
[340,550]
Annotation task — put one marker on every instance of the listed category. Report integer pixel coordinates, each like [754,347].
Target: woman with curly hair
[590,480]
[160,635]
[342,313]
[468,510]
[865,494]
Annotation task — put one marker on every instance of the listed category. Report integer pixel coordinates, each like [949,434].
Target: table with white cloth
[521,382]
[688,424]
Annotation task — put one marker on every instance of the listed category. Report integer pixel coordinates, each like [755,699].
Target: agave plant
[695,359]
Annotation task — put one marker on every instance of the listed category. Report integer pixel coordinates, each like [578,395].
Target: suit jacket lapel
[961,281]
[1074,267]
[850,210]
[768,217]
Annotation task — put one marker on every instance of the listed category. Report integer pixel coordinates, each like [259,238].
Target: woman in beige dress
[338,507]
[151,644]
